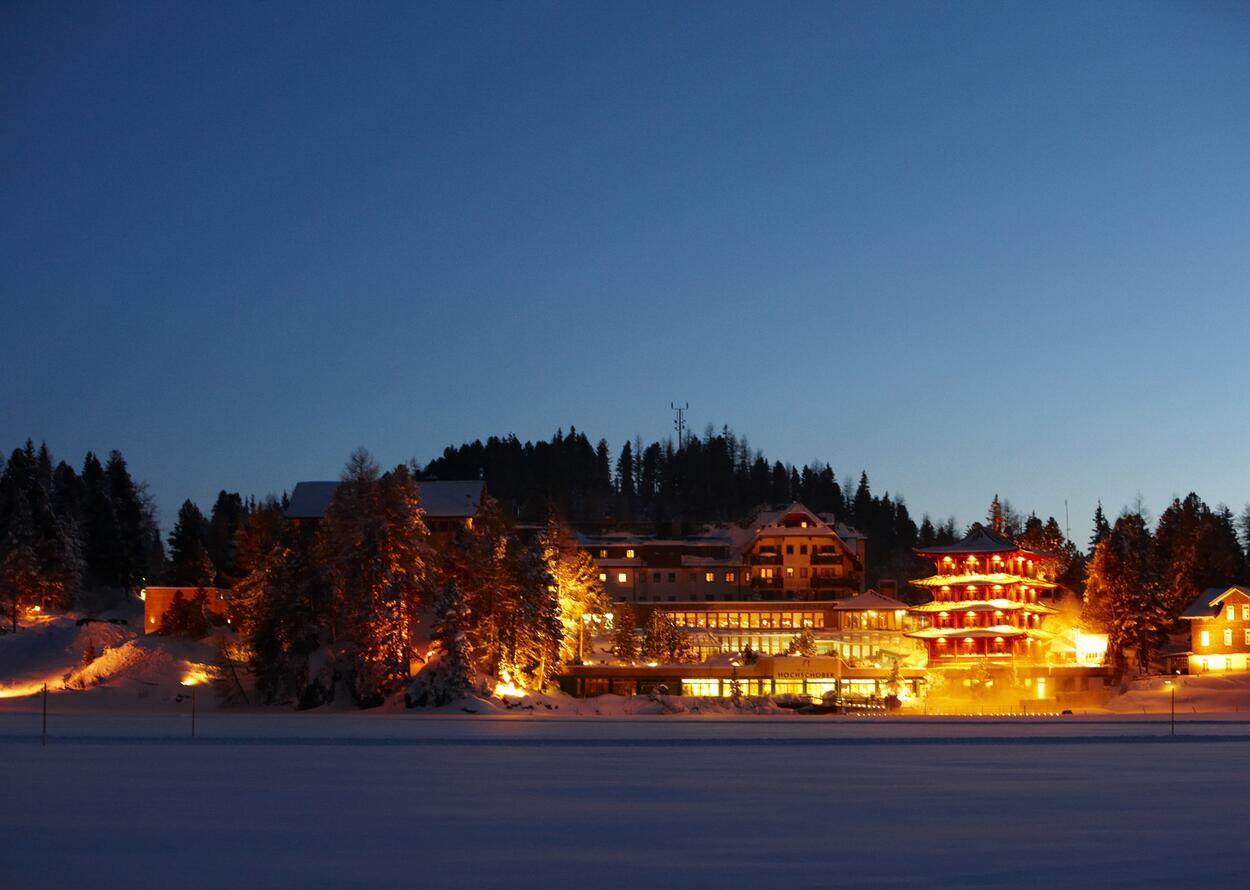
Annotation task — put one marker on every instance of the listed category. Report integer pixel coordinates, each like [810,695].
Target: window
[1245,611]
[603,577]
[629,554]
[655,577]
[603,554]
[672,577]
[789,571]
[1229,613]
[709,577]
[729,576]
[803,572]
[802,549]
[1246,633]
[789,550]
[1228,636]
[1204,638]
[622,577]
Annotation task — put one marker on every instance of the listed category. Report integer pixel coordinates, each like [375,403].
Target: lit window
[603,554]
[1246,632]
[729,576]
[1204,639]
[622,577]
[1228,636]
[629,554]
[1245,611]
[709,577]
[603,576]
[803,524]
[1229,614]
[789,571]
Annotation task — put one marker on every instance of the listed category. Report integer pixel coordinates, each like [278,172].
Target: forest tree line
[89,537]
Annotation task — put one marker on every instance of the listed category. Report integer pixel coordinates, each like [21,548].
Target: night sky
[970,247]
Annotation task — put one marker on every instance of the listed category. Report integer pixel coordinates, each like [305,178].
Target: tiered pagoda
[985,599]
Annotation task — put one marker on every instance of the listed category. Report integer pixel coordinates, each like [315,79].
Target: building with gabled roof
[446,504]
[1219,629]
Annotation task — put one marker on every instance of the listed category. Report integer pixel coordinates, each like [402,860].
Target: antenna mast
[680,422]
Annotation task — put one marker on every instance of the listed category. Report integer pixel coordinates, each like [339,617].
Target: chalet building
[1219,628]
[866,629]
[986,600]
[780,555]
[447,505]
[156,602]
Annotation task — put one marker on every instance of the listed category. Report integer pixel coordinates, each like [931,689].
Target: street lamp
[191,686]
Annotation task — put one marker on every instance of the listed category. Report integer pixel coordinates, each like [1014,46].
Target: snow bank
[1196,694]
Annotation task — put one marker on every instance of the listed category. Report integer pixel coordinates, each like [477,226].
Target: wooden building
[1219,629]
[446,505]
[986,599]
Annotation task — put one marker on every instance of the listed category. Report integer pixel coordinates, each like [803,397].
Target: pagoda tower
[985,599]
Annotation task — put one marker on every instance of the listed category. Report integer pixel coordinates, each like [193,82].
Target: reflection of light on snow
[19,691]
[505,688]
[195,675]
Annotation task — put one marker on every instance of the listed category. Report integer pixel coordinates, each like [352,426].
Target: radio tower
[680,422]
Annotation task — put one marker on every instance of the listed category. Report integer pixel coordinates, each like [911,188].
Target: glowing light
[508,690]
[19,691]
[195,676]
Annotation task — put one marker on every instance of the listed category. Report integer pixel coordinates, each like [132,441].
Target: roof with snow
[1207,603]
[309,500]
[453,498]
[979,540]
[869,601]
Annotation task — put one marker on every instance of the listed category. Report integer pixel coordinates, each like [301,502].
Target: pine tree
[373,541]
[1123,593]
[451,624]
[189,562]
[20,577]
[1102,528]
[663,641]
[803,644]
[227,514]
[625,633]
[578,589]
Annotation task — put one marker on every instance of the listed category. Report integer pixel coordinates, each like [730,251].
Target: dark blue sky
[971,247]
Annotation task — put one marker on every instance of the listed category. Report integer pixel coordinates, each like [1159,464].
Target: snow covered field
[335,799]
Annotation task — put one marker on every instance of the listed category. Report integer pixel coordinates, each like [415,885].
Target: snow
[395,798]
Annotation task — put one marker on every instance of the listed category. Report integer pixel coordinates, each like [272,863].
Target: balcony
[766,583]
[766,559]
[826,559]
[825,582]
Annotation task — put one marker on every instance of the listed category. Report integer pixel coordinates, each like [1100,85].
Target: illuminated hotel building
[986,599]
[786,554]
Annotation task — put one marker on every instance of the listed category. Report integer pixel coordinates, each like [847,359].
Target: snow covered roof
[869,601]
[1000,578]
[1207,603]
[453,498]
[309,500]
[980,540]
